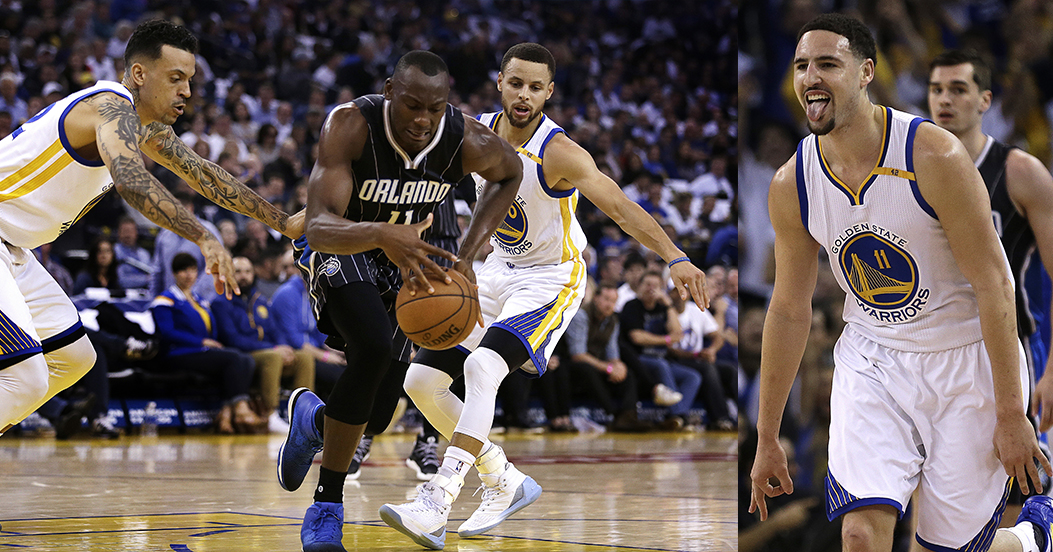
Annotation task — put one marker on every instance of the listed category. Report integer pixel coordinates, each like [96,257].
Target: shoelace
[429,451]
[490,494]
[362,450]
[424,501]
[327,531]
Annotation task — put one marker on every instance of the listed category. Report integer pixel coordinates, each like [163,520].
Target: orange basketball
[439,320]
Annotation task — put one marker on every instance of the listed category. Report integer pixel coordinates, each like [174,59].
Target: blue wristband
[678,260]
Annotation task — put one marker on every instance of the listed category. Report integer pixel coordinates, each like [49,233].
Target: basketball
[440,320]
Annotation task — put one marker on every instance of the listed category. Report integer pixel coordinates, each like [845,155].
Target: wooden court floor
[204,493]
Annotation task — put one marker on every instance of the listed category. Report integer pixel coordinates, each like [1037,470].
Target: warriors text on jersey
[45,186]
[540,228]
[1013,229]
[390,186]
[886,247]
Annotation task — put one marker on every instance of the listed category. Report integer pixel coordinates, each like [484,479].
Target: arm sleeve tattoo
[117,138]
[209,178]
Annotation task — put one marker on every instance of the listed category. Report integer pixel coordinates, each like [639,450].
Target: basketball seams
[453,303]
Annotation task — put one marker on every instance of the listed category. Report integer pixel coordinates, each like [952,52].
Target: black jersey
[1017,238]
[389,185]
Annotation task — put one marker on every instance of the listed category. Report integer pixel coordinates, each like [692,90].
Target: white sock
[1025,532]
[455,465]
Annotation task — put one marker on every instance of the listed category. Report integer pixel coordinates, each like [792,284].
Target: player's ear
[866,72]
[551,89]
[985,101]
[500,79]
[387,89]
[138,73]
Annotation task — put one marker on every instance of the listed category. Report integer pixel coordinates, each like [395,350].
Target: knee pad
[424,383]
[484,370]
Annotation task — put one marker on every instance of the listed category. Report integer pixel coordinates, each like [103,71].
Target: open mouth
[521,110]
[419,135]
[817,102]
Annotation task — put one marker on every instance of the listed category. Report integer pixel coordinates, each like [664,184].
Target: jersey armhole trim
[541,173]
[802,190]
[910,167]
[62,127]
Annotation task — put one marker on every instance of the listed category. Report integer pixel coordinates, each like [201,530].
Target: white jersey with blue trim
[887,248]
[540,227]
[45,186]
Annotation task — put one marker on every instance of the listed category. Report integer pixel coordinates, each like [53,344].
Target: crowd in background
[1017,36]
[646,87]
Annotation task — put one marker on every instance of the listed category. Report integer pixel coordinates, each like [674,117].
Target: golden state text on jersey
[881,273]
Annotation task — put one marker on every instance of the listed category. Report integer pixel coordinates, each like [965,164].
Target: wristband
[678,260]
[668,340]
[610,369]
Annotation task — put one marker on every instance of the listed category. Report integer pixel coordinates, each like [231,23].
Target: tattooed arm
[117,130]
[160,142]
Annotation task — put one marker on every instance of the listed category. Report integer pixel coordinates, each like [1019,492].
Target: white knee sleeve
[484,370]
[22,386]
[430,390]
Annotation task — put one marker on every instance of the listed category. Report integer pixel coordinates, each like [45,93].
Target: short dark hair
[634,259]
[530,51]
[981,69]
[183,261]
[860,39]
[606,284]
[428,63]
[150,36]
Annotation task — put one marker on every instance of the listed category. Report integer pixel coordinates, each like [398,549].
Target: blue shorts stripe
[839,501]
[539,362]
[14,339]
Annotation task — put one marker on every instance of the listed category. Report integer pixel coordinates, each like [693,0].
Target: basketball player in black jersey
[1021,198]
[384,163]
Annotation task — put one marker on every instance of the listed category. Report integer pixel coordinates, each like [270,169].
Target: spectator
[699,326]
[651,324]
[188,330]
[296,327]
[9,100]
[632,271]
[245,324]
[168,244]
[595,362]
[100,270]
[134,269]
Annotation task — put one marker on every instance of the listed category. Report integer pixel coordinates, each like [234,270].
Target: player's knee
[76,359]
[483,371]
[857,535]
[424,383]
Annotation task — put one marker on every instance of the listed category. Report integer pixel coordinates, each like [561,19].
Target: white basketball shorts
[534,303]
[903,421]
[34,311]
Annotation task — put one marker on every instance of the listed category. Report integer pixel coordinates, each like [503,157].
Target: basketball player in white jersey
[928,371]
[529,289]
[58,164]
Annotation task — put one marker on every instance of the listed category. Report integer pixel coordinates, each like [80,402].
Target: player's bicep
[331,183]
[796,252]
[949,182]
[117,134]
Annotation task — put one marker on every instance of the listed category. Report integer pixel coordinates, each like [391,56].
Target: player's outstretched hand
[1017,449]
[219,264]
[1042,402]
[770,476]
[402,244]
[687,278]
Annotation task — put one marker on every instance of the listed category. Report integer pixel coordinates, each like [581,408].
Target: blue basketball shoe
[1039,511]
[323,528]
[303,442]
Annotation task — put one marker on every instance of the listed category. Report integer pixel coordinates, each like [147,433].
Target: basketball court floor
[205,493]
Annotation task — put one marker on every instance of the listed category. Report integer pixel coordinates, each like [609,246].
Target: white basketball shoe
[424,519]
[510,493]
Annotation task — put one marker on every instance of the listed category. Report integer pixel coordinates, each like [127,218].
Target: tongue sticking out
[816,109]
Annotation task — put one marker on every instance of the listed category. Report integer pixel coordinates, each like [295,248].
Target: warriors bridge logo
[881,273]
